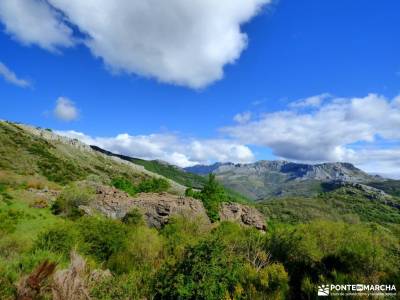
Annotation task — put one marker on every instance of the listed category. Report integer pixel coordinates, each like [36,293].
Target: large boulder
[157,208]
[243,214]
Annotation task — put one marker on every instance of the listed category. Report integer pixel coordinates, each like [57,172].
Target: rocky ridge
[264,179]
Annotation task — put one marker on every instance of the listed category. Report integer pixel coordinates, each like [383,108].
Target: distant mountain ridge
[264,179]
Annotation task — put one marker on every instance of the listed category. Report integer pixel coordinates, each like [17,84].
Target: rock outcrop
[156,208]
[242,214]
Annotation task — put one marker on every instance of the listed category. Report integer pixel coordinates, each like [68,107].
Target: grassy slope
[24,153]
[344,204]
[391,187]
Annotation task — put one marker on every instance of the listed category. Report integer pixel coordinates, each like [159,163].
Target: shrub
[211,269]
[336,251]
[181,232]
[59,239]
[124,185]
[153,185]
[142,252]
[189,192]
[125,286]
[68,202]
[133,217]
[102,237]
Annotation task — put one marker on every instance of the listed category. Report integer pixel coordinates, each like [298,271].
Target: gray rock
[242,214]
[157,209]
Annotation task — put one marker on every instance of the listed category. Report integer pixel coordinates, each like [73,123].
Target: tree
[212,195]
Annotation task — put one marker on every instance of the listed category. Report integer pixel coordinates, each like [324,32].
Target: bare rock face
[242,214]
[156,208]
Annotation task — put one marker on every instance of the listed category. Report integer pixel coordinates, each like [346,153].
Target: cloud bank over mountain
[175,41]
[364,131]
[169,147]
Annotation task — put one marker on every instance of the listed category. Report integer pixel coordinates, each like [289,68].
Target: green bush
[153,185]
[102,237]
[133,217]
[59,239]
[125,286]
[335,252]
[124,185]
[68,202]
[142,252]
[212,269]
[181,232]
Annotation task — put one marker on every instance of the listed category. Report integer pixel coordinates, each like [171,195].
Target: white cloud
[175,41]
[329,132]
[169,147]
[314,101]
[11,77]
[385,162]
[65,110]
[242,118]
[34,22]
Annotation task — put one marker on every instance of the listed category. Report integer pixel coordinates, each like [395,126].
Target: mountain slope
[265,179]
[25,150]
[351,203]
[167,170]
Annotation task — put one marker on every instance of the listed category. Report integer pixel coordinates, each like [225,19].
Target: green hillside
[347,204]
[392,187]
[25,153]
[169,171]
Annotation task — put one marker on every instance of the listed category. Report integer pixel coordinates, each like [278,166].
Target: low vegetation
[187,259]
[344,204]
[152,185]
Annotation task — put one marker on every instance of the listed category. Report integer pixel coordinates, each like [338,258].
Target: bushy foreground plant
[336,252]
[216,268]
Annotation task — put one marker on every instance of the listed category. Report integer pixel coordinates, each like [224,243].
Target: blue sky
[348,49]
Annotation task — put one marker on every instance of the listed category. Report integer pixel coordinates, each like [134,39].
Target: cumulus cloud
[65,110]
[169,147]
[328,132]
[35,22]
[385,162]
[242,118]
[175,41]
[11,77]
